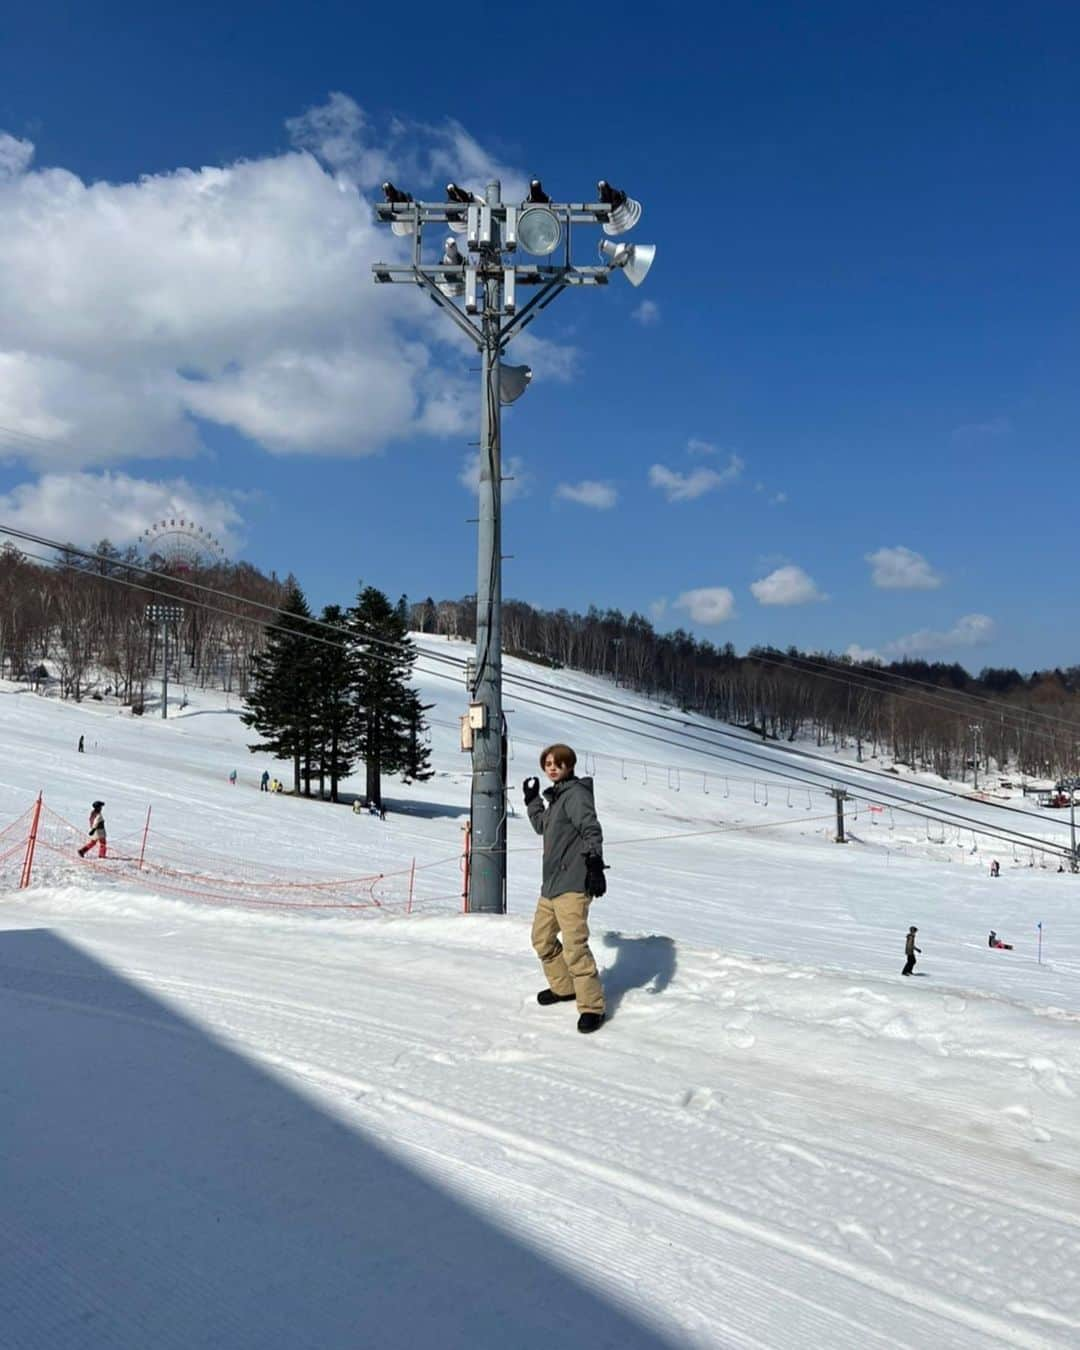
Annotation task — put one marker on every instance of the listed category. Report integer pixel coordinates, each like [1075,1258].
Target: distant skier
[995,941]
[232,778]
[909,951]
[81,746]
[995,868]
[573,877]
[264,781]
[96,831]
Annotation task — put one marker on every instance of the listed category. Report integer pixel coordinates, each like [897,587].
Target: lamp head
[538,230]
[537,193]
[513,381]
[625,212]
[399,225]
[633,260]
[450,286]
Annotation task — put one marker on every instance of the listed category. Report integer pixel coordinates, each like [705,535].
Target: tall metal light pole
[486,276]
[164,615]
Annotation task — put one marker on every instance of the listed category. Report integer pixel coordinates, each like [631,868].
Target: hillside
[326,1126]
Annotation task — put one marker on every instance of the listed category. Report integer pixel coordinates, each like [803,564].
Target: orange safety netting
[181,866]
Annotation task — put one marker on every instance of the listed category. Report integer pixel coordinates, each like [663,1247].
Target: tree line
[86,620]
[320,700]
[958,725]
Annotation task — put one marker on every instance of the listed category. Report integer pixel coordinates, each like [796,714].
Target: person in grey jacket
[573,877]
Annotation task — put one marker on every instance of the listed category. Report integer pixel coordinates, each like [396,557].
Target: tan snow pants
[569,964]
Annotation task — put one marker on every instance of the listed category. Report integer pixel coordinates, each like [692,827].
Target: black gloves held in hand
[531,789]
[595,885]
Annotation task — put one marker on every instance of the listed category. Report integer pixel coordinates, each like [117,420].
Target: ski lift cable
[739,753]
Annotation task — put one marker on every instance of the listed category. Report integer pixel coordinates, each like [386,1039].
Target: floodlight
[452,257]
[537,193]
[466,198]
[513,381]
[634,260]
[538,230]
[625,211]
[399,225]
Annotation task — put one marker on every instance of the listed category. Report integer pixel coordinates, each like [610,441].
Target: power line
[740,753]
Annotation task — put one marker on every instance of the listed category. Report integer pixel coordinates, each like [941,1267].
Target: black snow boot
[549,996]
[590,1022]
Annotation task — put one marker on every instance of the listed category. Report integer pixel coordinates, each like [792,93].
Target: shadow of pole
[640,963]
[160,1190]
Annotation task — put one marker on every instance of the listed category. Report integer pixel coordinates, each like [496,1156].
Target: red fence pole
[146,831]
[28,860]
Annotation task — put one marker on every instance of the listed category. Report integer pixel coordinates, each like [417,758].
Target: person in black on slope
[909,950]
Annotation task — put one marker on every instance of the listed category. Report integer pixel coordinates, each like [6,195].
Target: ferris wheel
[181,544]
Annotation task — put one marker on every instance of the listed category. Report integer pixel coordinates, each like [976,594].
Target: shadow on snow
[162,1190]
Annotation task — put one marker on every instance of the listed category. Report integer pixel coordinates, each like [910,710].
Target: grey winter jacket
[571,830]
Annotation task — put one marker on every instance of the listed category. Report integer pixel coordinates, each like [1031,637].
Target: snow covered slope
[230,1127]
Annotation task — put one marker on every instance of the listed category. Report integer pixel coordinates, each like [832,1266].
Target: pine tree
[282,696]
[335,712]
[389,716]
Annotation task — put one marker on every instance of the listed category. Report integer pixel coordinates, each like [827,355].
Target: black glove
[595,885]
[531,789]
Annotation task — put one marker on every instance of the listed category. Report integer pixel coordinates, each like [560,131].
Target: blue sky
[848,416]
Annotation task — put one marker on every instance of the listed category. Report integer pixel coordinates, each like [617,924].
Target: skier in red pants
[96,831]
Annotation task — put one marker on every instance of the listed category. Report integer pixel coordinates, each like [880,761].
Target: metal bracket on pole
[470,329]
[527,312]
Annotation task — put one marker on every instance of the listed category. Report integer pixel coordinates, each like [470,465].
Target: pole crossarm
[446,213]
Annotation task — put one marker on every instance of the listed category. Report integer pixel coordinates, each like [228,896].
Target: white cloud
[83,508]
[516,481]
[861,654]
[657,609]
[972,630]
[241,295]
[778,499]
[15,155]
[708,604]
[786,586]
[901,569]
[647,313]
[602,496]
[685,487]
[548,360]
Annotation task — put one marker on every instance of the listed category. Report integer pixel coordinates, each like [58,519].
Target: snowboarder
[995,868]
[96,831]
[81,745]
[909,951]
[232,777]
[995,941]
[573,877]
[264,781]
